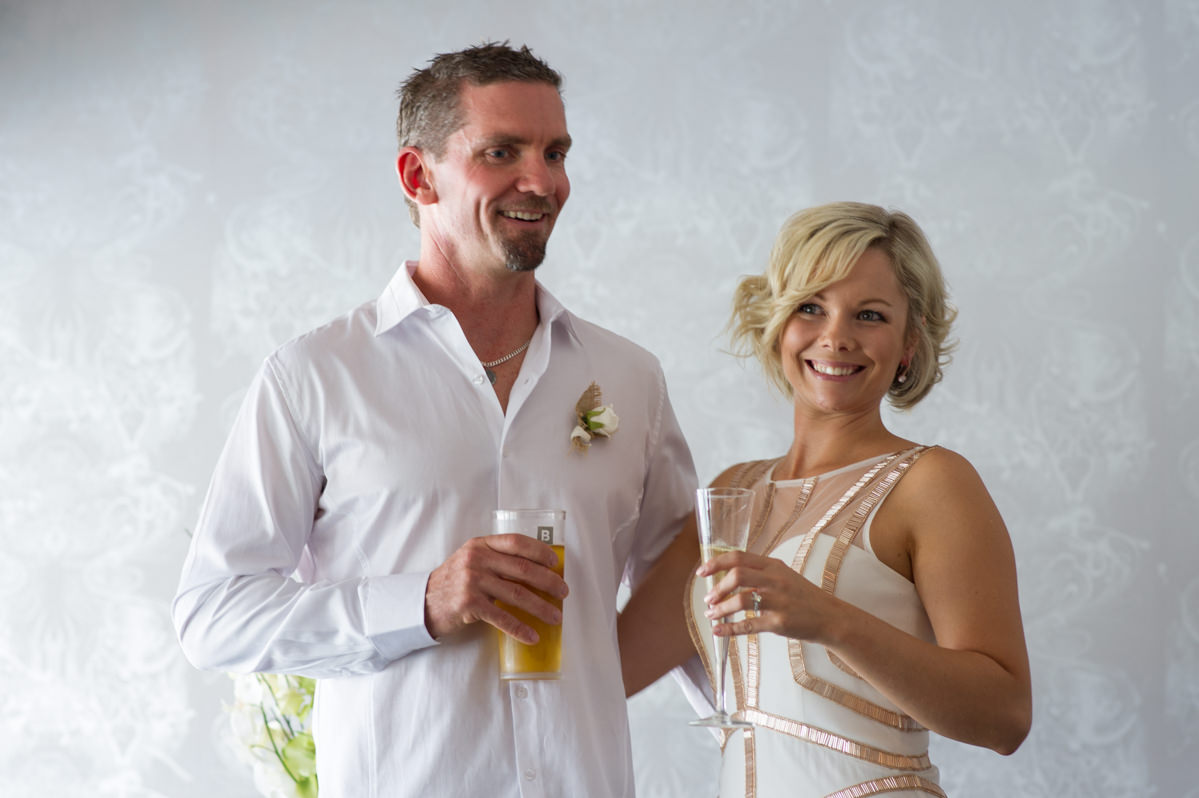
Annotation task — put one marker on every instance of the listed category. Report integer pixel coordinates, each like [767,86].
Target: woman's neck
[831,442]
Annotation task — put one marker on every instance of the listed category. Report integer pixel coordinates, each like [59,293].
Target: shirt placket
[524,697]
[530,762]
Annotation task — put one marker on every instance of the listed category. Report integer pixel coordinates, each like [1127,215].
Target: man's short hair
[430,111]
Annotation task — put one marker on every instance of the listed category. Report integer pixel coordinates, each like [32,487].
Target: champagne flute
[722,517]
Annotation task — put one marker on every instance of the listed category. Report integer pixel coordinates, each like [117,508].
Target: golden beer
[543,659]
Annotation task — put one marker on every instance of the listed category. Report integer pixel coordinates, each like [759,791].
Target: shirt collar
[402,299]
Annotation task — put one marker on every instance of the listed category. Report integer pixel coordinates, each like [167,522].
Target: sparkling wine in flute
[707,553]
[722,519]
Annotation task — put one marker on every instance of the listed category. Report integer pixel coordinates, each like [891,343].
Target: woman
[877,599]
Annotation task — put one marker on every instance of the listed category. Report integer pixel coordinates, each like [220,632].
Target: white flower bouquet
[271,718]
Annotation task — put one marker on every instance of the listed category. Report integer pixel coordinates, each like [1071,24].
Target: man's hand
[509,568]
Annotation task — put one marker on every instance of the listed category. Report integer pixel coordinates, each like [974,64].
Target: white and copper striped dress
[819,730]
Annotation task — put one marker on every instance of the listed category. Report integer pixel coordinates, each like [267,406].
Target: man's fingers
[536,571]
[524,547]
[529,601]
[509,624]
[514,608]
[512,569]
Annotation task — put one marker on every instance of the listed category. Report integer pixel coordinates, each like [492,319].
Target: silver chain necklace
[488,366]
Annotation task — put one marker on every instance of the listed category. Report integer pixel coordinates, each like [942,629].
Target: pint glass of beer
[542,660]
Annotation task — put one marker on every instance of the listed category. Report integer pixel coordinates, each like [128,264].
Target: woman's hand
[786,603]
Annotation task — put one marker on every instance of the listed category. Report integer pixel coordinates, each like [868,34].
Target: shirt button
[530,774]
[522,691]
[479,380]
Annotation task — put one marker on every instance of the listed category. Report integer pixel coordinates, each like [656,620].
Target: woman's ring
[757,597]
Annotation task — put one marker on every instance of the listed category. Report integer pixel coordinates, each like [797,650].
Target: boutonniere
[592,418]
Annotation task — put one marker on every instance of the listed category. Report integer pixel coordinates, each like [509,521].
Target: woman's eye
[808,308]
[871,315]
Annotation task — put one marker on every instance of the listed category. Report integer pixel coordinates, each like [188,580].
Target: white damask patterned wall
[185,185]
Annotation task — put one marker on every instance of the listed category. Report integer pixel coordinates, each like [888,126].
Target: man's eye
[556,156]
[498,153]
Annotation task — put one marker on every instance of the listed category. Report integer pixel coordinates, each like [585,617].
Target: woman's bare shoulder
[943,487]
[940,468]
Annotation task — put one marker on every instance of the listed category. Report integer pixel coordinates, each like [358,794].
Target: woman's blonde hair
[819,246]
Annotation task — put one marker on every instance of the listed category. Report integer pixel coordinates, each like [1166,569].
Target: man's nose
[537,177]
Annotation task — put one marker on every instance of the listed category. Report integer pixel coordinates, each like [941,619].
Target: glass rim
[524,512]
[723,491]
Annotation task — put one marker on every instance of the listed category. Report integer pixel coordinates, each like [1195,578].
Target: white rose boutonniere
[592,418]
[603,421]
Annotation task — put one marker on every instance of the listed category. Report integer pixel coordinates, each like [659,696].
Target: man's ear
[415,178]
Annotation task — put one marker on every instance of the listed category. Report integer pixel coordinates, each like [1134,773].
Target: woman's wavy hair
[819,246]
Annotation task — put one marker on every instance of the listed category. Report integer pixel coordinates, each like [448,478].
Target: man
[344,535]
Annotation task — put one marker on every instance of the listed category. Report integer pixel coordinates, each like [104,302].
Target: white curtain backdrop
[185,185]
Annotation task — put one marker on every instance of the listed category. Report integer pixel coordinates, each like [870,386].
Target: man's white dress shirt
[366,452]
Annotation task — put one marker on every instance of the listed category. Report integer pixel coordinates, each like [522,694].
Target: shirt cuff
[393,608]
[693,678]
